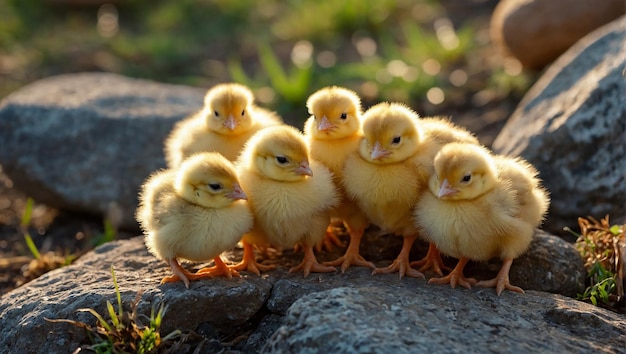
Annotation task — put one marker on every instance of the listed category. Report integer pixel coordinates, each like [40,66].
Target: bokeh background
[435,56]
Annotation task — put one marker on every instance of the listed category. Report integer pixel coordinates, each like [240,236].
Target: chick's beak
[446,189]
[304,169]
[230,122]
[325,124]
[379,152]
[237,193]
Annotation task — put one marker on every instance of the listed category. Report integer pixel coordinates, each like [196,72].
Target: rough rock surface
[572,126]
[256,306]
[536,32]
[404,319]
[84,141]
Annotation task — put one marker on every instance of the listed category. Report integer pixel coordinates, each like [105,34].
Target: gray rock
[536,32]
[221,303]
[572,126]
[223,310]
[418,319]
[85,142]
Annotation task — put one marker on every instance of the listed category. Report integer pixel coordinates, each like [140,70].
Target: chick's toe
[456,276]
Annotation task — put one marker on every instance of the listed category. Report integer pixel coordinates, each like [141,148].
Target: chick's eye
[215,186]
[396,140]
[281,160]
[243,112]
[216,113]
[466,178]
[344,116]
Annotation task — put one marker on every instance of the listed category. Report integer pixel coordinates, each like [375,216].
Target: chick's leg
[249,262]
[179,273]
[352,255]
[432,260]
[456,276]
[310,264]
[401,264]
[329,242]
[501,281]
[218,269]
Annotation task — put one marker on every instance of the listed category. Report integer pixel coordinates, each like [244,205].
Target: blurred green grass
[401,50]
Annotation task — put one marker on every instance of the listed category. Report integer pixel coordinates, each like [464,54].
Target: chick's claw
[310,264]
[501,281]
[307,267]
[249,262]
[402,267]
[218,269]
[349,259]
[432,260]
[455,277]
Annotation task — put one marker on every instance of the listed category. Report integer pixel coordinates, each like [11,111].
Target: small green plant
[601,246]
[26,217]
[42,263]
[123,333]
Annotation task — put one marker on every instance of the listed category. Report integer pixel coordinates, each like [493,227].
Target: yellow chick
[290,196]
[385,178]
[229,118]
[438,131]
[195,212]
[480,207]
[333,132]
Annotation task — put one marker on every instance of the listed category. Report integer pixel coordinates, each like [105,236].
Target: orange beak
[304,169]
[325,125]
[237,193]
[446,190]
[230,122]
[378,152]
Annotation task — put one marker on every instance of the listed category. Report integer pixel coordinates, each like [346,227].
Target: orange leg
[501,281]
[179,273]
[218,269]
[352,255]
[432,260]
[249,262]
[456,276]
[310,264]
[401,264]
[329,241]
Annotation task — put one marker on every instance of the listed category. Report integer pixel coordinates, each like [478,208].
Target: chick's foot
[249,262]
[456,276]
[432,260]
[220,268]
[352,255]
[310,264]
[401,264]
[501,281]
[179,273]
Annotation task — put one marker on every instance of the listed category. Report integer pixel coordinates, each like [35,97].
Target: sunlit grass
[602,246]
[123,332]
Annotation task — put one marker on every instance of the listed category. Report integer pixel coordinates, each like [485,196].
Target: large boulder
[405,319]
[536,32]
[266,307]
[572,126]
[86,142]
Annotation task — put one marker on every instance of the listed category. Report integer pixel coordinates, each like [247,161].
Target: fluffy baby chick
[229,118]
[290,196]
[333,132]
[481,207]
[438,131]
[195,212]
[385,178]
